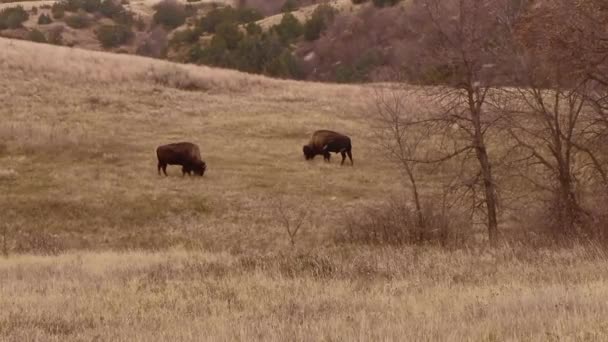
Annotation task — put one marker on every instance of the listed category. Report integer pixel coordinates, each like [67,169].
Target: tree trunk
[485,167]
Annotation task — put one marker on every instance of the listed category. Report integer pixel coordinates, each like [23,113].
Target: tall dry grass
[345,294]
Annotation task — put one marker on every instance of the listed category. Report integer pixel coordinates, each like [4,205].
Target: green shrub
[77,21]
[229,33]
[169,13]
[187,36]
[111,8]
[360,69]
[124,18]
[12,17]
[58,10]
[91,6]
[215,17]
[289,28]
[253,29]
[44,19]
[247,15]
[290,6]
[72,5]
[36,36]
[385,3]
[285,65]
[321,17]
[113,35]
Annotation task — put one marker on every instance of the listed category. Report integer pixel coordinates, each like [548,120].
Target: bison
[185,154]
[323,142]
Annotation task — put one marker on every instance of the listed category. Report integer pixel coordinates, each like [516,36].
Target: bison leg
[343,157]
[350,156]
[326,156]
[163,167]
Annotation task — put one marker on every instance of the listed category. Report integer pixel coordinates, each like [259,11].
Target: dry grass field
[102,248]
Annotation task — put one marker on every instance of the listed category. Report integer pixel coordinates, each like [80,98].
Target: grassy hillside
[80,131]
[143,257]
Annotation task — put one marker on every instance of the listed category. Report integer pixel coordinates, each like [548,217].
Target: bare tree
[392,121]
[462,47]
[558,120]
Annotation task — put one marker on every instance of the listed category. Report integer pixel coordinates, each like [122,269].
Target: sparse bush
[36,36]
[357,2]
[12,17]
[56,36]
[78,21]
[292,220]
[177,77]
[44,19]
[155,44]
[322,16]
[113,35]
[169,13]
[34,10]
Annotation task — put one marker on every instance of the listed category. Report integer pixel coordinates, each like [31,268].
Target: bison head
[308,152]
[200,168]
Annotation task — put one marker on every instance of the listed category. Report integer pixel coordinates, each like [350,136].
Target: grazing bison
[323,142]
[185,154]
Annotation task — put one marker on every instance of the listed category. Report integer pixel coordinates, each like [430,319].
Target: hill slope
[80,129]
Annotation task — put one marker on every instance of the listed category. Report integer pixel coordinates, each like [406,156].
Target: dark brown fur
[185,154]
[323,142]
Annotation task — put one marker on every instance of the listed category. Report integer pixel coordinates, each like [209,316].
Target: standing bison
[323,142]
[185,154]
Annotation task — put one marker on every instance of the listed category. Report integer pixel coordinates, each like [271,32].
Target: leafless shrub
[176,77]
[291,218]
[394,222]
[154,44]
